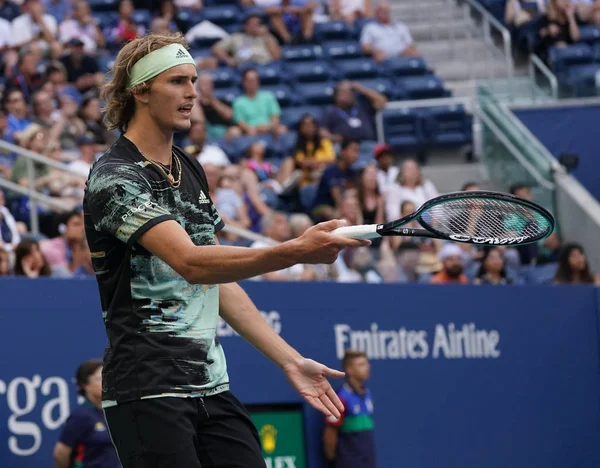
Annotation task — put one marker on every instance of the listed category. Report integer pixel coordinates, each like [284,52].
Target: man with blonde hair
[164,280]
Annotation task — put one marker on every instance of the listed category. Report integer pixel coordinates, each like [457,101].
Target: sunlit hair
[120,105]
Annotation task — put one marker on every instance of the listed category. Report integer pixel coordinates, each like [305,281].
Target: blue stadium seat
[269,74]
[357,68]
[310,72]
[204,42]
[332,31]
[308,194]
[301,53]
[365,156]
[106,62]
[283,93]
[447,126]
[213,3]
[385,87]
[238,147]
[225,15]
[292,115]
[582,79]
[542,274]
[188,18]
[405,66]
[200,53]
[106,19]
[103,5]
[422,87]
[284,145]
[316,93]
[143,17]
[227,95]
[589,34]
[224,77]
[359,24]
[402,129]
[561,58]
[596,52]
[342,50]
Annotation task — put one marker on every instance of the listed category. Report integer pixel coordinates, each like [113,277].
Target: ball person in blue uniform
[85,441]
[164,280]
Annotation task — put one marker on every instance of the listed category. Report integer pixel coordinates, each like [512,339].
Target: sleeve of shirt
[332,421]
[121,203]
[74,430]
[366,36]
[274,108]
[406,35]
[237,111]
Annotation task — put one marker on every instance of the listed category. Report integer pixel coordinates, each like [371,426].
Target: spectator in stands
[167,12]
[549,250]
[357,266]
[82,69]
[87,155]
[63,125]
[217,114]
[558,28]
[528,252]
[410,186]
[254,160]
[573,267]
[291,20]
[372,203]
[492,269]
[8,55]
[56,74]
[18,115]
[452,266]
[256,111]
[387,173]
[350,10]
[348,117]
[350,208]
[36,28]
[338,178]
[275,226]
[350,440]
[85,437]
[311,155]
[60,9]
[254,45]
[517,13]
[9,10]
[26,76]
[29,260]
[5,268]
[33,138]
[470,187]
[126,28]
[63,252]
[7,158]
[9,233]
[91,116]
[383,39]
[195,145]
[83,27]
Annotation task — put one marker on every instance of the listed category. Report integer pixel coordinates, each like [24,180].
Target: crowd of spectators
[51,56]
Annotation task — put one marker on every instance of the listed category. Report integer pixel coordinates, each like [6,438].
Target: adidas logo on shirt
[180,54]
[203,199]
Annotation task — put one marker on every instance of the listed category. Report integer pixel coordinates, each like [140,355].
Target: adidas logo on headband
[180,54]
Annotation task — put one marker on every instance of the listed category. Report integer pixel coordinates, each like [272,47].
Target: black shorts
[170,432]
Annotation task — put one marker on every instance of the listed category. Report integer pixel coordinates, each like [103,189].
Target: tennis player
[164,280]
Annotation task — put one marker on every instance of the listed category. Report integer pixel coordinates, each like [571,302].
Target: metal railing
[535,63]
[489,23]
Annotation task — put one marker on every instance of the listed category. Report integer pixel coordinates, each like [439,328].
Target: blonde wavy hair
[120,105]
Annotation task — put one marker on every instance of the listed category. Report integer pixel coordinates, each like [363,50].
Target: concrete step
[452,49]
[436,30]
[420,13]
[449,177]
[479,68]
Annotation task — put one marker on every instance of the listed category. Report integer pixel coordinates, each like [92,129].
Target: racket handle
[362,231]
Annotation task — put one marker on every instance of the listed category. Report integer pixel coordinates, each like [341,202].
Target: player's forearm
[223,264]
[236,308]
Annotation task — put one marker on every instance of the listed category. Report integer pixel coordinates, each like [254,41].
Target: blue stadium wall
[569,129]
[464,377]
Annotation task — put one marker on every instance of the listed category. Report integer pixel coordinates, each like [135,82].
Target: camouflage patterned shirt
[161,330]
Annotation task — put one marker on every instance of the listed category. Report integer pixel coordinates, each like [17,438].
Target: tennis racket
[477,217]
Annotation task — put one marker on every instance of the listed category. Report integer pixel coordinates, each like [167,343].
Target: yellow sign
[268,437]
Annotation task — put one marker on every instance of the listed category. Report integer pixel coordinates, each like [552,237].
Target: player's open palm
[309,378]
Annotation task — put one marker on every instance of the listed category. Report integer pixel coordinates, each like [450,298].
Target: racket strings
[487,218]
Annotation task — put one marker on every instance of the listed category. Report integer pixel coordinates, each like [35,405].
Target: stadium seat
[204,42]
[316,93]
[357,68]
[332,31]
[187,18]
[227,95]
[405,66]
[283,93]
[301,53]
[284,145]
[143,17]
[422,87]
[106,19]
[200,53]
[561,58]
[589,34]
[310,72]
[106,62]
[213,3]
[222,15]
[385,87]
[581,79]
[402,129]
[446,126]
[224,77]
[307,196]
[359,24]
[238,147]
[342,50]
[539,274]
[292,115]
[365,156]
[103,5]
[269,73]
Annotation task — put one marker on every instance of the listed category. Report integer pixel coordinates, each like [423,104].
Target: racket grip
[361,231]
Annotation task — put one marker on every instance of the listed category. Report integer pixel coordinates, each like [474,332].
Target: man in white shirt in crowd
[205,153]
[383,39]
[387,173]
[87,155]
[37,28]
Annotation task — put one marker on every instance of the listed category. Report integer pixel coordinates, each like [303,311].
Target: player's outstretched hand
[319,245]
[309,378]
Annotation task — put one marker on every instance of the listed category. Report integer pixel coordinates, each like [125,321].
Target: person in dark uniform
[85,441]
[164,280]
[349,440]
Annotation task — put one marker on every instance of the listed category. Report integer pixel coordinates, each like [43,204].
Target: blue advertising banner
[462,376]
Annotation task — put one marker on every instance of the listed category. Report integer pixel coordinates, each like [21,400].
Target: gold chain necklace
[168,175]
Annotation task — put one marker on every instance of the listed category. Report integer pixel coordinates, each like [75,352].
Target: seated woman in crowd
[29,260]
[573,267]
[558,27]
[492,269]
